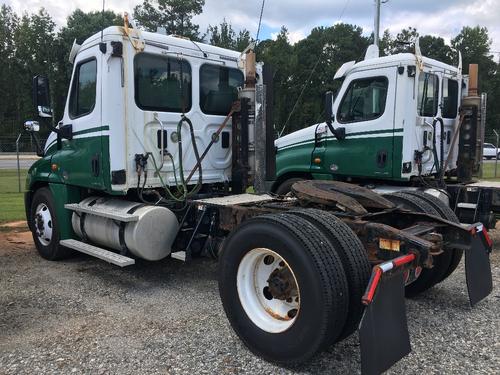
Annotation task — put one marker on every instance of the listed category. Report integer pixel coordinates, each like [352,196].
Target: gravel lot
[85,316]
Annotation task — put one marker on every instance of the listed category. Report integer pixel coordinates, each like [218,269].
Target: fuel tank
[150,237]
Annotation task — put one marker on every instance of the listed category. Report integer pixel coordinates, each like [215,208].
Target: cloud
[441,18]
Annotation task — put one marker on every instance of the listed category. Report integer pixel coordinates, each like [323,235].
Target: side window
[83,90]
[162,83]
[450,98]
[364,100]
[428,92]
[218,88]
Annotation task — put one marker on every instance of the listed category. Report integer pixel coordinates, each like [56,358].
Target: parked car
[489,151]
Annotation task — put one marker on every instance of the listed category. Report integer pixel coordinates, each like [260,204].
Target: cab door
[80,159]
[365,108]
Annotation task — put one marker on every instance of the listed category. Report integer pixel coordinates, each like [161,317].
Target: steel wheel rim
[259,273]
[43,224]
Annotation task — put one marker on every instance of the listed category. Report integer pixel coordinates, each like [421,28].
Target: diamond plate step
[97,252]
[110,214]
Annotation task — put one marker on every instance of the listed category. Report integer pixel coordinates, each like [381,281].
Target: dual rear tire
[444,264]
[284,285]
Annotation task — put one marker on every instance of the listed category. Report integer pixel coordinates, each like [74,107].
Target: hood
[300,136]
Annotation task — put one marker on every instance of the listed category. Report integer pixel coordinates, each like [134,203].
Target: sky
[443,18]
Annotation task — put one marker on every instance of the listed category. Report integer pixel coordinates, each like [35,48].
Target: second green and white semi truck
[398,123]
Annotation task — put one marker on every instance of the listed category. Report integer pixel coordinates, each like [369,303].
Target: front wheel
[286,186]
[44,226]
[283,288]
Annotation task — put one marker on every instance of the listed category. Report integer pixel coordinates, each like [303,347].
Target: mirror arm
[340,132]
[39,151]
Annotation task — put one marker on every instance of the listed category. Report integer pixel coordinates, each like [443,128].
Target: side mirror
[41,96]
[328,109]
[32,126]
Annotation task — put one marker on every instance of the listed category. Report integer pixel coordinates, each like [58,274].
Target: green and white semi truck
[161,138]
[398,123]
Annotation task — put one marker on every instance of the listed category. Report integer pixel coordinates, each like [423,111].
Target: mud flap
[383,331]
[477,266]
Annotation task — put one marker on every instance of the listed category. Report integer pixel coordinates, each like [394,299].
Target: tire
[429,276]
[320,279]
[286,186]
[446,213]
[353,257]
[44,226]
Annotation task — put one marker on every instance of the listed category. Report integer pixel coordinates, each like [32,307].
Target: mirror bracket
[65,132]
[339,133]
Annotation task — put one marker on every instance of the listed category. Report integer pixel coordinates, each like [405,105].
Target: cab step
[110,214]
[97,252]
[179,255]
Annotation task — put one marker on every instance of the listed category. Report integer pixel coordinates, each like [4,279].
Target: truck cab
[399,115]
[128,94]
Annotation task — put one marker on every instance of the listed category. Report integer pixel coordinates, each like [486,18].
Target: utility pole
[376,30]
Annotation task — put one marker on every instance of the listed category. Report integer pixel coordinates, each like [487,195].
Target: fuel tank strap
[121,231]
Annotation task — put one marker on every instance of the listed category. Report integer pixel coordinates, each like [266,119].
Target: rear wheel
[429,276]
[44,226]
[353,256]
[446,213]
[283,288]
[286,186]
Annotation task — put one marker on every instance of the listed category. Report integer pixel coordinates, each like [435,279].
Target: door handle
[95,165]
[381,158]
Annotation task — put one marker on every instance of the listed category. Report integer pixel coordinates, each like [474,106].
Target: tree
[319,56]
[34,54]
[474,43]
[436,48]
[280,55]
[403,42]
[173,15]
[223,35]
[8,26]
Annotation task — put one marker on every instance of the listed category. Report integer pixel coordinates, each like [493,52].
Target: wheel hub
[282,284]
[43,224]
[268,290]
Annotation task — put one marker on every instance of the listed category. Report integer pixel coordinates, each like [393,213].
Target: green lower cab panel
[370,157]
[64,194]
[294,159]
[83,162]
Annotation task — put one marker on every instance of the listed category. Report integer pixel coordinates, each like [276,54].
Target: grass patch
[489,171]
[11,201]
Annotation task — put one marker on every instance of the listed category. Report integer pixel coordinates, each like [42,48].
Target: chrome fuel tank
[149,237]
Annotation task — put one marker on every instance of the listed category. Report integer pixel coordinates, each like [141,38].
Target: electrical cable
[300,96]
[260,22]
[310,75]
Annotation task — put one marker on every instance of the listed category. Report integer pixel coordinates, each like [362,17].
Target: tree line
[31,44]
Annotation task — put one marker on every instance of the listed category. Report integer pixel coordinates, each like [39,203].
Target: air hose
[196,154]
[180,182]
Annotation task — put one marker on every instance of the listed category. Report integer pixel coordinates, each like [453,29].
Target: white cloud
[441,18]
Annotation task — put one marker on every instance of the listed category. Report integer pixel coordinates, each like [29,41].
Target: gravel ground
[86,316]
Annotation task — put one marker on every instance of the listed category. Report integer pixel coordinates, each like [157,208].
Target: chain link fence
[26,144]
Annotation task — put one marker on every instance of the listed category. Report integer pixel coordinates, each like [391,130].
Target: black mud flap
[477,266]
[383,331]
